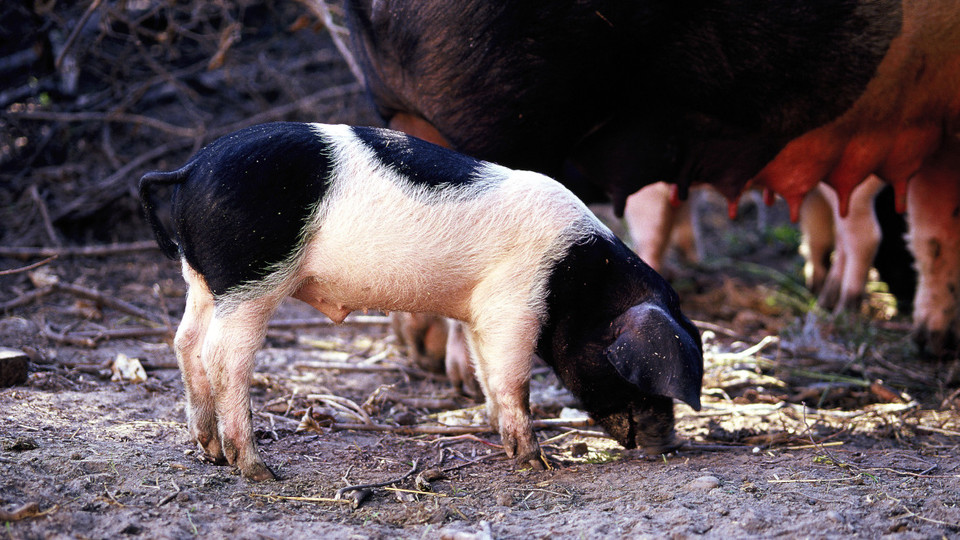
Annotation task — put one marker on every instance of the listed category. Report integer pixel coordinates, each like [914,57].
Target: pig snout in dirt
[349,218]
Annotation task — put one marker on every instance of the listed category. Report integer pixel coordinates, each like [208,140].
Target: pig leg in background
[424,338]
[188,343]
[933,215]
[816,228]
[857,239]
[459,368]
[655,224]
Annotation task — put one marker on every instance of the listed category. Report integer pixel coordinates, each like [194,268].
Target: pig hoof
[206,457]
[537,462]
[212,449]
[937,344]
[258,472]
[662,446]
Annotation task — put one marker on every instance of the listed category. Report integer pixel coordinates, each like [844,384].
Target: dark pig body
[612,96]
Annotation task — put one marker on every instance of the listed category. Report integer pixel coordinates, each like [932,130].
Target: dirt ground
[812,425]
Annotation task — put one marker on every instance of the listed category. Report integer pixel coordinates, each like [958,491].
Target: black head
[618,341]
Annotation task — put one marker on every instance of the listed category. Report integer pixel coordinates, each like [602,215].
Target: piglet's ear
[652,351]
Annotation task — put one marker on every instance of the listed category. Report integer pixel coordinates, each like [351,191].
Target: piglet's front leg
[504,353]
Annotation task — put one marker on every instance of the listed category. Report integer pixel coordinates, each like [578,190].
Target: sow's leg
[933,213]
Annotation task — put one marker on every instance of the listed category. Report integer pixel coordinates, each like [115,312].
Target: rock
[703,483]
[13,367]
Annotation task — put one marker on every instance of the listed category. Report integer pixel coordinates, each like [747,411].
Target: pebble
[703,483]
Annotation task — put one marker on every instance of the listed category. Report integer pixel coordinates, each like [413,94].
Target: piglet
[349,218]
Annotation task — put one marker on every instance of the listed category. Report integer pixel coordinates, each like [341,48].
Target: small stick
[941,431]
[415,492]
[78,251]
[810,480]
[322,10]
[137,119]
[358,487]
[44,215]
[31,509]
[107,301]
[300,499]
[70,340]
[169,497]
[76,31]
[29,267]
[26,298]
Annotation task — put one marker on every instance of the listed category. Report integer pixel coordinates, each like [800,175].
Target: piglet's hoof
[258,472]
[664,446]
[525,451]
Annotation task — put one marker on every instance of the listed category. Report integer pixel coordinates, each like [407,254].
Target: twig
[300,499]
[76,31]
[44,215]
[138,119]
[415,492]
[423,429]
[78,251]
[716,328]
[26,298]
[473,462]
[941,431]
[169,497]
[358,487]
[28,267]
[115,185]
[910,513]
[322,10]
[29,510]
[108,301]
[70,340]
[811,480]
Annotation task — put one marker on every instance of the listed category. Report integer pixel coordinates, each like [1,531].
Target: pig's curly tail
[166,243]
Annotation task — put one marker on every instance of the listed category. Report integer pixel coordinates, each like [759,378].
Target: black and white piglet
[348,218]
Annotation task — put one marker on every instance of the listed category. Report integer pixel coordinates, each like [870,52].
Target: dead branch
[108,301]
[27,268]
[69,340]
[358,487]
[28,510]
[78,251]
[322,10]
[26,298]
[136,119]
[44,215]
[76,31]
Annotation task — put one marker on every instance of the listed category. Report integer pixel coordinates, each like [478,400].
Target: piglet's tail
[166,243]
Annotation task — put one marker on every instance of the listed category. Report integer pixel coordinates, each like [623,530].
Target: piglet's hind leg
[188,343]
[228,355]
